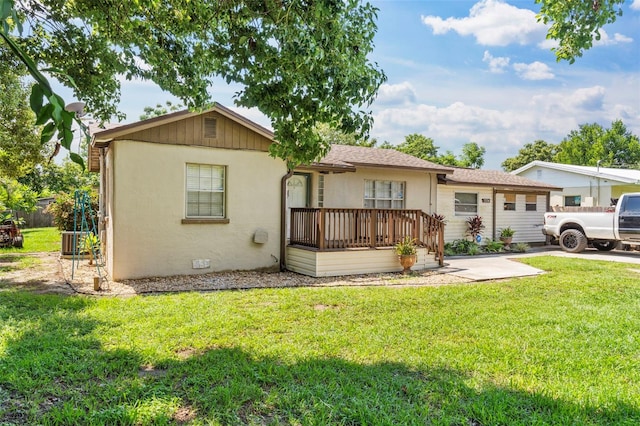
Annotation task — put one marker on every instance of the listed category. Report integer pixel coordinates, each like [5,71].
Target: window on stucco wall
[572,201]
[384,194]
[205,191]
[466,203]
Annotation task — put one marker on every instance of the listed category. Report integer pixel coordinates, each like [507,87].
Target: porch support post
[373,228]
[321,240]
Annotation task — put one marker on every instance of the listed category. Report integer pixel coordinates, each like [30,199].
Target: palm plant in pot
[506,236]
[407,250]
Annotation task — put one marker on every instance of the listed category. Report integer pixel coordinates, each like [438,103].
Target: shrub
[63,208]
[474,226]
[493,246]
[461,247]
[520,247]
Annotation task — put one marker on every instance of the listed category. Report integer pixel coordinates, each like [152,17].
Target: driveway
[495,267]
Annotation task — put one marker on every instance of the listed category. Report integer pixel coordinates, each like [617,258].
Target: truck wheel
[573,241]
[605,245]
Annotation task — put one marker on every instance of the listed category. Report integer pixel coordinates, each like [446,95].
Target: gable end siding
[191,131]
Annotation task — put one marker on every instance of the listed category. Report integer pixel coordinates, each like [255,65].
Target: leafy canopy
[575,24]
[299,62]
[538,150]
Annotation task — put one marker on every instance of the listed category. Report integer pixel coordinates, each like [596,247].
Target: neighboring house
[501,199]
[583,186]
[189,193]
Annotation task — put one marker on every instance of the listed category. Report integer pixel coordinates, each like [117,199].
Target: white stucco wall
[346,190]
[147,206]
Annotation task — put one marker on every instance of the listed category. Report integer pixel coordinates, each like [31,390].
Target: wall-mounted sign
[486,200]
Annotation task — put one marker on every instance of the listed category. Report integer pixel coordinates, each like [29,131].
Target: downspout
[283,219]
[493,224]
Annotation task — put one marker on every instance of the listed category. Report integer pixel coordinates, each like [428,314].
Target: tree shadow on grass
[54,370]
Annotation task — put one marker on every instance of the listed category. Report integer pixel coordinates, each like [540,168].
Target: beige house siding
[146,205]
[527,224]
[346,190]
[350,262]
[456,224]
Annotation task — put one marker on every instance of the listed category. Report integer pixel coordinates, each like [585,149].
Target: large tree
[20,146]
[419,146]
[300,62]
[592,144]
[333,136]
[539,150]
[472,155]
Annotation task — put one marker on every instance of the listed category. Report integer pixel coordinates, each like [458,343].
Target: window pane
[466,198]
[383,194]
[205,191]
[572,201]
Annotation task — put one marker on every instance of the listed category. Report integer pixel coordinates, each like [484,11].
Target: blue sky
[478,71]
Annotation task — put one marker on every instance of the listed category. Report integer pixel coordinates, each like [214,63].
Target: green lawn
[37,240]
[558,349]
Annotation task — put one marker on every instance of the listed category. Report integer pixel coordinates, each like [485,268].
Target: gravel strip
[83,274]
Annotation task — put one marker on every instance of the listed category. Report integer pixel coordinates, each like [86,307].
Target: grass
[37,240]
[561,348]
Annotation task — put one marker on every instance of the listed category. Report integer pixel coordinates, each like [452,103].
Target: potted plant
[506,236]
[474,228]
[406,250]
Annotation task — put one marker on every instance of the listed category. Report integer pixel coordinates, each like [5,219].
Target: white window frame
[458,202]
[376,197]
[208,181]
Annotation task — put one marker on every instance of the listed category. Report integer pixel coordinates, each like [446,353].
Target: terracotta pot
[407,261]
[506,241]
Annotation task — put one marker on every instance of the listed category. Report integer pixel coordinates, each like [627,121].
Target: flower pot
[407,261]
[506,241]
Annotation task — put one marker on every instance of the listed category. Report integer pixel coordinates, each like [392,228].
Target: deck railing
[338,229]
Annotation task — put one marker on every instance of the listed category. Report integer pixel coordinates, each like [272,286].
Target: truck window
[572,201]
[632,205]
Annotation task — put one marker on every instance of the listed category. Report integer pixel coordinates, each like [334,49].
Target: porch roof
[348,158]
[495,179]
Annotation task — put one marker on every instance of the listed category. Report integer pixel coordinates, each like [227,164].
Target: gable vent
[210,127]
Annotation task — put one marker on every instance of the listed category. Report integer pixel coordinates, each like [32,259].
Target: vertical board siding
[190,131]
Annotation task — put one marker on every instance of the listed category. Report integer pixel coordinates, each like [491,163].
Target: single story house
[501,199]
[194,192]
[583,186]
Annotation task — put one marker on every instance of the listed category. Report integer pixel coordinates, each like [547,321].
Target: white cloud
[590,98]
[492,23]
[635,5]
[497,65]
[402,93]
[533,71]
[605,40]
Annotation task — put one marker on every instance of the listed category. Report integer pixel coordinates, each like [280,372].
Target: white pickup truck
[575,230]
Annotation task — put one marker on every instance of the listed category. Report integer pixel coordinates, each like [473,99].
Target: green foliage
[592,144]
[493,246]
[20,147]
[458,247]
[333,136]
[16,196]
[406,246]
[150,112]
[538,150]
[472,156]
[576,24]
[299,63]
[556,349]
[62,210]
[507,232]
[419,146]
[51,178]
[520,247]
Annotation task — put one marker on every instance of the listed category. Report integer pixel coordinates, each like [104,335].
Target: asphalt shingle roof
[347,155]
[495,178]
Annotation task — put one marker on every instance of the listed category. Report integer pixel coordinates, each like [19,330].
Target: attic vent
[210,127]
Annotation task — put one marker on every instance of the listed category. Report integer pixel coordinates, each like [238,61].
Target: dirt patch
[53,274]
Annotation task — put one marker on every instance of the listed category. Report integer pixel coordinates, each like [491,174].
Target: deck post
[373,228]
[321,239]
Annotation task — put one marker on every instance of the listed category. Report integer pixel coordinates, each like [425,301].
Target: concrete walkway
[501,266]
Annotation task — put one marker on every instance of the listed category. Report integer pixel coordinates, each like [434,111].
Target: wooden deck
[336,229]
